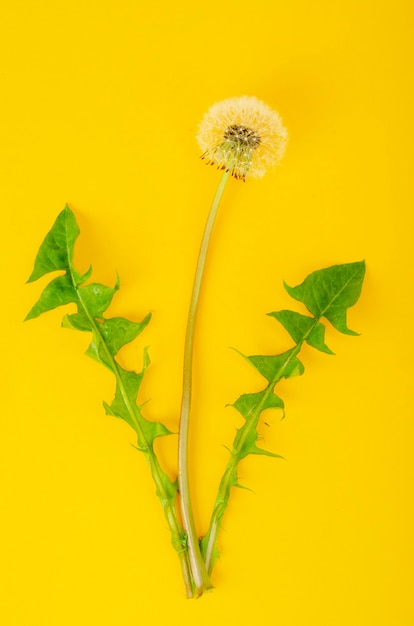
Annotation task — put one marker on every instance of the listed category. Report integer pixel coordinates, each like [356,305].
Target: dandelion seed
[242,135]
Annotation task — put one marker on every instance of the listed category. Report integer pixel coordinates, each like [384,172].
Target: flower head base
[242,135]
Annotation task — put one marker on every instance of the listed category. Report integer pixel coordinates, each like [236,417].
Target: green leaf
[301,327]
[122,403]
[118,331]
[77,321]
[57,293]
[56,251]
[330,292]
[279,366]
[250,406]
[109,335]
[152,430]
[249,403]
[96,298]
[326,293]
[245,444]
[98,351]
[131,382]
[124,407]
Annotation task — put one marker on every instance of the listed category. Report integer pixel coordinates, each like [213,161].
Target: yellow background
[99,107]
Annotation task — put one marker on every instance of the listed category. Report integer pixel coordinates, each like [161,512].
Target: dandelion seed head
[242,135]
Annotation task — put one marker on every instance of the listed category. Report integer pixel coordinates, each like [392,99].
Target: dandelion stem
[200,574]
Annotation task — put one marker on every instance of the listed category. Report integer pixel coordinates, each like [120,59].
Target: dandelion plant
[243,137]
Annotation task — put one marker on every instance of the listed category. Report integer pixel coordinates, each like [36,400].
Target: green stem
[209,542]
[199,571]
[177,535]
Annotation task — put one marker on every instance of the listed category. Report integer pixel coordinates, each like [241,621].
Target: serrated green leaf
[56,251]
[108,337]
[301,327]
[330,292]
[152,430]
[96,298]
[125,397]
[118,331]
[58,292]
[248,445]
[131,382]
[249,403]
[275,367]
[77,321]
[98,351]
[327,293]
[245,443]
[124,406]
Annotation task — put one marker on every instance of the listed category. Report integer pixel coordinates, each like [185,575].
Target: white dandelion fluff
[242,135]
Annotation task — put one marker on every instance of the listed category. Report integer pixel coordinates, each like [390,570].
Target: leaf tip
[288,288]
[239,353]
[29,316]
